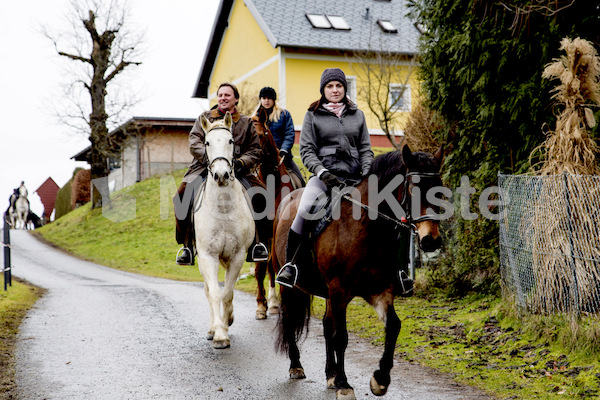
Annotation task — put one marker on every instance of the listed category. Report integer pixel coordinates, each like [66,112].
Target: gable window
[387,26]
[399,97]
[318,21]
[351,94]
[321,21]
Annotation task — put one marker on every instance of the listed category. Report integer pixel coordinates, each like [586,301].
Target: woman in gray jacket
[335,146]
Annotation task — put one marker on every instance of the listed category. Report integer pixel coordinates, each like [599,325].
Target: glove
[285,157]
[330,180]
[239,166]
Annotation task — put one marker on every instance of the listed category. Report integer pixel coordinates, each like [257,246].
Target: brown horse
[357,255]
[283,182]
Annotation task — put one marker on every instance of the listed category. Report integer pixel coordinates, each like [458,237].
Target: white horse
[224,228]
[12,212]
[22,208]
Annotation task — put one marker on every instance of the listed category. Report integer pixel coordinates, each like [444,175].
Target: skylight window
[387,26]
[322,21]
[319,21]
[338,22]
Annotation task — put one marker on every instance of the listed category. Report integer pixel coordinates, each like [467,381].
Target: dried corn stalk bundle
[562,228]
[569,147]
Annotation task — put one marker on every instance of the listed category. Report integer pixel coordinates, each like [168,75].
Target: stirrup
[256,249]
[180,252]
[403,277]
[284,283]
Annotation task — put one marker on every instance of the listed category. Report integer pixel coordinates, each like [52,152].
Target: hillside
[136,233]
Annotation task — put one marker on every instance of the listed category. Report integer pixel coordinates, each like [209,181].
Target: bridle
[405,203]
[407,222]
[229,163]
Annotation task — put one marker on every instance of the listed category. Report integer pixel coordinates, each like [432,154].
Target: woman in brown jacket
[247,153]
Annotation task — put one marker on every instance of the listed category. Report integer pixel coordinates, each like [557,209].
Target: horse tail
[293,319]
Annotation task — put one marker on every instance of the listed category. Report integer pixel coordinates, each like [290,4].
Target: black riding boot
[257,252]
[184,230]
[185,255]
[288,275]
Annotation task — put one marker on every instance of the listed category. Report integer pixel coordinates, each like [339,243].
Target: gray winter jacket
[340,145]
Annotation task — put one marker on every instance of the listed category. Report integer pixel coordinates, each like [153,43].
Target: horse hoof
[376,388]
[274,310]
[297,373]
[331,383]
[345,394]
[261,314]
[210,335]
[221,344]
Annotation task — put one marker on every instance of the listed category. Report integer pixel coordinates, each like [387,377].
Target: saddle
[325,206]
[310,280]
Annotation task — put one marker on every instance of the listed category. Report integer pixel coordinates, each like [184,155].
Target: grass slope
[14,304]
[481,341]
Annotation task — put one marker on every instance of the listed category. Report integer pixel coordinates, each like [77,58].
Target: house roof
[47,192]
[285,24]
[134,122]
[48,184]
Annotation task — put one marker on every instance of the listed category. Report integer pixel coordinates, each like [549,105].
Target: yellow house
[286,44]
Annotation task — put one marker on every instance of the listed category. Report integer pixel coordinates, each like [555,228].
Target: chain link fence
[550,242]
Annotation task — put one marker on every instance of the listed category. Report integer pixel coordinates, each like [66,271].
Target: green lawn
[14,304]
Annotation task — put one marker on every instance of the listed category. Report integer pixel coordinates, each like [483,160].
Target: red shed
[47,192]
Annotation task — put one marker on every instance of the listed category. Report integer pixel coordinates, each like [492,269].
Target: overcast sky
[33,145]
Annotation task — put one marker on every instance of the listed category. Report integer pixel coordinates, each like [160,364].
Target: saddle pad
[316,226]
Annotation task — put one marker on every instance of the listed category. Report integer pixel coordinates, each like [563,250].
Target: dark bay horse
[357,255]
[283,182]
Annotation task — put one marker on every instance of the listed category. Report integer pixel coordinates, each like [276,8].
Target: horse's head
[23,191]
[218,141]
[422,174]
[271,158]
[260,122]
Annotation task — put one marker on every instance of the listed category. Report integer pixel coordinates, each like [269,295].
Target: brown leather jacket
[246,144]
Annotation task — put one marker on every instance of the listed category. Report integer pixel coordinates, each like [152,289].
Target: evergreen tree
[481,68]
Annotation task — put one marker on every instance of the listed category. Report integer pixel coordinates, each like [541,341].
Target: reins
[410,222]
[398,222]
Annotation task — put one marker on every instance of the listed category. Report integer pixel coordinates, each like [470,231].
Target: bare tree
[383,79]
[248,98]
[98,39]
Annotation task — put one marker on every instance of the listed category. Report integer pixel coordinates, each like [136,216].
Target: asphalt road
[100,333]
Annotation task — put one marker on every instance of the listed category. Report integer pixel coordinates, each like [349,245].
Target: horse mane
[388,165]
[217,123]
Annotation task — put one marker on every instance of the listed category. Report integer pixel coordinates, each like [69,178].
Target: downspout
[138,172]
